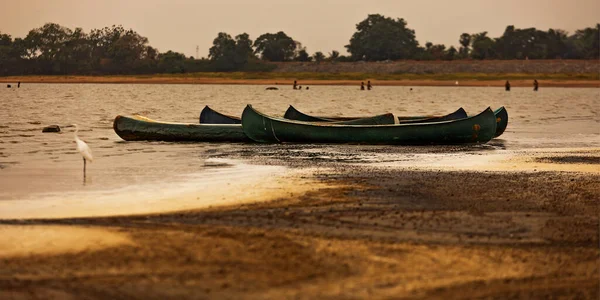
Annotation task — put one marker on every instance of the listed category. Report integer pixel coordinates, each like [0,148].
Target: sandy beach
[363,232]
[286,80]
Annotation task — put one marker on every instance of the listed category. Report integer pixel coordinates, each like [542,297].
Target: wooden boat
[293,114]
[139,128]
[501,120]
[266,129]
[211,116]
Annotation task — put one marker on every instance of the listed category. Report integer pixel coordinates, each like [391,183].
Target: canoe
[267,129]
[211,116]
[501,120]
[139,128]
[293,114]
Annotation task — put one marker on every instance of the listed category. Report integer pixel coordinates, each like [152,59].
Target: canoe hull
[139,128]
[267,129]
[211,116]
[501,120]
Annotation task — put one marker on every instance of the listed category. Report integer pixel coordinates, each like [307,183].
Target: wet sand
[286,81]
[365,232]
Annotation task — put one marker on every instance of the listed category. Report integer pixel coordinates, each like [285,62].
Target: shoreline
[284,81]
[366,236]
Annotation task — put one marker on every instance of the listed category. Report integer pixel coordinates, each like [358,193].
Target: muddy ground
[372,233]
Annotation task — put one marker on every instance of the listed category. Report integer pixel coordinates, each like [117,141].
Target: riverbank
[308,79]
[366,232]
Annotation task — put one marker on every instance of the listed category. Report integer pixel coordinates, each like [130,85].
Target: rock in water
[51,128]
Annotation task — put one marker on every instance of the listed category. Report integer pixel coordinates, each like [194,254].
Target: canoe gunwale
[293,113]
[263,128]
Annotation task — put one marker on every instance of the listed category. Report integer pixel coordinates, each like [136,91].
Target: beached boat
[139,128]
[267,129]
[293,114]
[501,120]
[211,116]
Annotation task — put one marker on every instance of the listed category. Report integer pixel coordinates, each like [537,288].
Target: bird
[83,148]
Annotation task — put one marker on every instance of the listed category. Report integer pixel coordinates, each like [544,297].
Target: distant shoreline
[283,79]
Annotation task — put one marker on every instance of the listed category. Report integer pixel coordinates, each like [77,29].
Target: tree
[171,62]
[333,55]
[428,46]
[482,46]
[6,58]
[465,41]
[228,54]
[557,43]
[222,53]
[381,38]
[451,53]
[522,43]
[319,56]
[585,43]
[275,46]
[116,50]
[303,56]
[223,46]
[243,49]
[438,51]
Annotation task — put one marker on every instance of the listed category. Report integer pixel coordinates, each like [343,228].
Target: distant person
[410,89]
[507,86]
[300,87]
[369,86]
[295,85]
[19,84]
[8,86]
[362,86]
[307,88]
[535,85]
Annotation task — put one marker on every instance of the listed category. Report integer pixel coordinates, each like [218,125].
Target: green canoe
[293,114]
[501,117]
[138,128]
[211,116]
[266,129]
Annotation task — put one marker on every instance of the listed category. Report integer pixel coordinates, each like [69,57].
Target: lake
[45,170]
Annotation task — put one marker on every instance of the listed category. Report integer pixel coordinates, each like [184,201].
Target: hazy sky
[320,25]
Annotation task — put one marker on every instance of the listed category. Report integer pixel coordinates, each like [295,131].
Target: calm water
[34,165]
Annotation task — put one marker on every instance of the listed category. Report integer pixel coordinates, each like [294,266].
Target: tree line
[55,49]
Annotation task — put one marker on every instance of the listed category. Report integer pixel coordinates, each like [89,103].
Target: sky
[320,25]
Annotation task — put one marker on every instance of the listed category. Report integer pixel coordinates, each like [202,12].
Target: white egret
[83,148]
